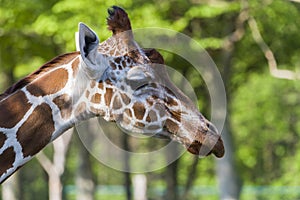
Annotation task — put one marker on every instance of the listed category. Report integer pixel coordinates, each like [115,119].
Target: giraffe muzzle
[207,141]
[200,149]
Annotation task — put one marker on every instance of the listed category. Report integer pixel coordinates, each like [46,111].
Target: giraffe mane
[55,62]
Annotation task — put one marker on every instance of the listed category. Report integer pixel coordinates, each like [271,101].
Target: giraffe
[116,80]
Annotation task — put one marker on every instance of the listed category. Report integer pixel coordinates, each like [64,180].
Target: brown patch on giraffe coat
[112,65]
[128,112]
[13,109]
[75,66]
[171,126]
[80,109]
[7,159]
[150,101]
[50,83]
[52,64]
[126,100]
[139,110]
[97,111]
[176,115]
[2,139]
[100,86]
[96,98]
[112,52]
[108,96]
[117,104]
[139,125]
[118,60]
[171,102]
[161,109]
[64,103]
[120,67]
[93,83]
[151,117]
[123,63]
[37,130]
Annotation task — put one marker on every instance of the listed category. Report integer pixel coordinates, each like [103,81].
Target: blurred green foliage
[264,111]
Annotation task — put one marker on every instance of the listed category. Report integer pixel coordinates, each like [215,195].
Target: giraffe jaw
[207,141]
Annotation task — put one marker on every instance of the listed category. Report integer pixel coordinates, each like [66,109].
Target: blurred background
[254,43]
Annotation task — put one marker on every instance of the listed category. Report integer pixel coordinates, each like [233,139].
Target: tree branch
[60,147]
[239,31]
[297,1]
[278,73]
[45,162]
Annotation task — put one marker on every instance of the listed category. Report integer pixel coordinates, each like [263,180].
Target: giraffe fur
[116,80]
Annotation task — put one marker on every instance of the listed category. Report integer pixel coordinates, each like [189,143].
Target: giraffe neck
[39,109]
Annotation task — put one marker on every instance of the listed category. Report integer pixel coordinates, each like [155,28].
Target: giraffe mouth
[205,149]
[208,142]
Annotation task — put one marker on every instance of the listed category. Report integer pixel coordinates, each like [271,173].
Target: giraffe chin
[198,148]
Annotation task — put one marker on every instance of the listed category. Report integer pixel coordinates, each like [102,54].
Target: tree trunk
[171,176]
[85,184]
[127,182]
[192,176]
[10,188]
[228,177]
[55,186]
[56,167]
[139,187]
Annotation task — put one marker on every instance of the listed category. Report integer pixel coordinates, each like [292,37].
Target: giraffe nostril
[211,128]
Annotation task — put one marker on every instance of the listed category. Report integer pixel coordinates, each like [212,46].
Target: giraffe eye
[138,85]
[138,74]
[138,77]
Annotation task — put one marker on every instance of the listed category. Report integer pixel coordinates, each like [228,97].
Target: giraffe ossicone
[116,80]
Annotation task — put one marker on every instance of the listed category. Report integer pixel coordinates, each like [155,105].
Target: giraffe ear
[88,43]
[88,47]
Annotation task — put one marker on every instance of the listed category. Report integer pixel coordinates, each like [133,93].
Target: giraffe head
[130,85]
